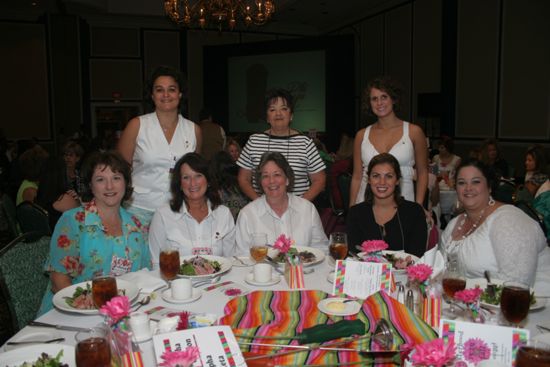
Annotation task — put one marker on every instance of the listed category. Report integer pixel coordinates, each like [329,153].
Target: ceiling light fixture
[219,12]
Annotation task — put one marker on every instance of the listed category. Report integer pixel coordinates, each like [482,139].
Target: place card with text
[361,279]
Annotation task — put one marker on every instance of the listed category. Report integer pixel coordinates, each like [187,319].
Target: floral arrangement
[420,275]
[183,321]
[183,358]
[117,311]
[434,353]
[284,245]
[471,298]
[373,250]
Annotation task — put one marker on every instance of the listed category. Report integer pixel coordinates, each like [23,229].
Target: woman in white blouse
[277,211]
[194,221]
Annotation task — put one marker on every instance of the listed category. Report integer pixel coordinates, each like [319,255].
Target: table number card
[217,345]
[361,279]
[477,342]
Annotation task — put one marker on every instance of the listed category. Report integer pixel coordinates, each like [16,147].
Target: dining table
[213,302]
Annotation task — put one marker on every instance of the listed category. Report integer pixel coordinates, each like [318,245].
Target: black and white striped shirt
[299,150]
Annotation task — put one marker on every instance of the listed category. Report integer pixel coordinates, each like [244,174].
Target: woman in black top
[385,214]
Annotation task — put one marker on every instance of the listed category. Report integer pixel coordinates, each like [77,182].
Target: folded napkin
[144,280]
[435,259]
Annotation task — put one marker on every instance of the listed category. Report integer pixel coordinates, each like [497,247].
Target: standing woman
[153,143]
[299,150]
[405,141]
[385,215]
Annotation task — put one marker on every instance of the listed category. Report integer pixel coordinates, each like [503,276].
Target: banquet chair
[22,278]
[8,208]
[33,218]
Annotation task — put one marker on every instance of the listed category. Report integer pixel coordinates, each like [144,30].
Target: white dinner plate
[167,296]
[398,254]
[32,333]
[482,283]
[226,265]
[275,278]
[319,255]
[30,353]
[244,261]
[130,290]
[351,308]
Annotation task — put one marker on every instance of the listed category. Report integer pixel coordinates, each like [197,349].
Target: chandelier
[219,12]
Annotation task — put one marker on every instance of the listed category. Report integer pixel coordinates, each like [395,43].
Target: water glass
[338,245]
[258,248]
[169,262]
[93,348]
[515,301]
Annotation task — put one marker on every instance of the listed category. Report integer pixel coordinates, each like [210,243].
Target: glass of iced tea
[258,248]
[169,262]
[453,281]
[534,354]
[338,245]
[515,301]
[93,348]
[103,289]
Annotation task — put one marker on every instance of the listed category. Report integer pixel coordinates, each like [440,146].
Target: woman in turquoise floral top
[100,237]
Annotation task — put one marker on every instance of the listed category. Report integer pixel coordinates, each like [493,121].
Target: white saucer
[351,308]
[330,277]
[275,278]
[167,296]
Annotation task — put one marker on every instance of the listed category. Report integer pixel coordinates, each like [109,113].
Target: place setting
[181,291]
[263,275]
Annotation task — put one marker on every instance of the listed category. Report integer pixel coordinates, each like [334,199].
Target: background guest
[491,156]
[446,161]
[194,221]
[213,135]
[153,143]
[385,215]
[278,211]
[31,164]
[233,148]
[535,161]
[72,154]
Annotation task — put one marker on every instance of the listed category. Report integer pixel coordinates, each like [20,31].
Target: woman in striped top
[298,149]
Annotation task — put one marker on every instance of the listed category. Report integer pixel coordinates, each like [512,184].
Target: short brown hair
[110,159]
[281,162]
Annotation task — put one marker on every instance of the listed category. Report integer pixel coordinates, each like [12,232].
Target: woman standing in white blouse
[153,143]
[277,211]
[194,221]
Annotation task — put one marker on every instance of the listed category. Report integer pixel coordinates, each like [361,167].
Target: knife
[274,264]
[58,327]
[37,341]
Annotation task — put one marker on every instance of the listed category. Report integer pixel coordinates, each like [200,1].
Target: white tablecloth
[214,302]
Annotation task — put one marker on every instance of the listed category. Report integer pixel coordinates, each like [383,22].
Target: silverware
[240,261]
[207,281]
[143,302]
[58,327]
[540,327]
[37,341]
[274,264]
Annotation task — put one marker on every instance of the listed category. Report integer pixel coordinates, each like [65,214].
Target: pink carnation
[476,350]
[434,353]
[419,272]
[117,308]
[374,246]
[184,358]
[373,259]
[283,244]
[469,295]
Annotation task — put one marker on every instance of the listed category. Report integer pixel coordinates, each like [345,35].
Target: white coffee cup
[182,288]
[140,325]
[262,273]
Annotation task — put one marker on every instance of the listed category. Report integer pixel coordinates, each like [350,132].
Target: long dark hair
[384,158]
[197,164]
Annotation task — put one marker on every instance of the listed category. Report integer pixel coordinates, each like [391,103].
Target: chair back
[33,218]
[505,192]
[528,209]
[8,207]
[22,278]
[344,183]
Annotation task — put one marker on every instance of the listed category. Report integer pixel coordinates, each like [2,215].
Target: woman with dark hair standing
[389,134]
[385,215]
[153,143]
[100,237]
[194,221]
[535,161]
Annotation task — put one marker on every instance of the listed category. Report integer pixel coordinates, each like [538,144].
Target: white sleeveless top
[403,151]
[154,158]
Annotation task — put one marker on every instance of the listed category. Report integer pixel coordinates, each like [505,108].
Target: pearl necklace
[474,226]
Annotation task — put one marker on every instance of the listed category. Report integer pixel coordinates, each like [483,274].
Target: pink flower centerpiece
[117,311]
[284,245]
[419,274]
[373,250]
[184,358]
[434,353]
[471,298]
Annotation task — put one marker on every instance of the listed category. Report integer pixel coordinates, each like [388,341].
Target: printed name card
[217,345]
[361,279]
[478,342]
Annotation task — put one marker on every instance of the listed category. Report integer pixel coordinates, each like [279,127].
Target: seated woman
[100,237]
[277,211]
[493,236]
[194,221]
[385,215]
[31,164]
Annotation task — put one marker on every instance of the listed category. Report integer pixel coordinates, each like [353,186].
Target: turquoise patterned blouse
[81,249]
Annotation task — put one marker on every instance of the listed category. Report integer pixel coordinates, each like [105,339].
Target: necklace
[382,230]
[287,142]
[474,225]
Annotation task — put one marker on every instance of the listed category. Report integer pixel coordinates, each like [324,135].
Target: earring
[491,201]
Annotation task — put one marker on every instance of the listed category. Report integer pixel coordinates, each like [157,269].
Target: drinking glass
[515,300]
[93,348]
[258,248]
[534,354]
[453,281]
[338,245]
[169,262]
[103,289]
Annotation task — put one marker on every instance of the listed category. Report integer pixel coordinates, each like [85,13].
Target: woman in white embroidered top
[194,221]
[277,211]
[152,143]
[493,236]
